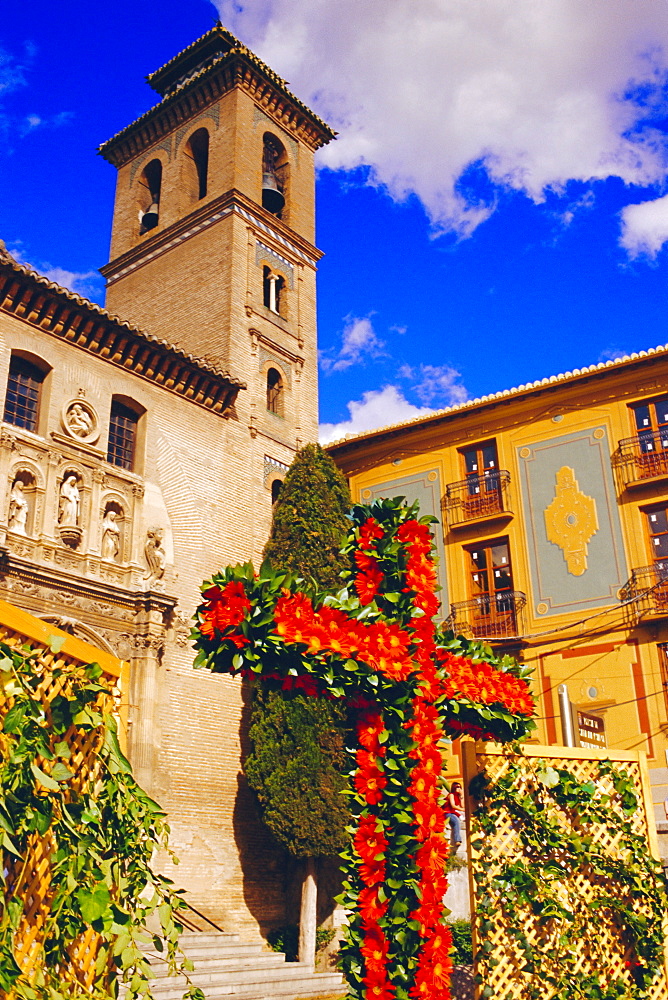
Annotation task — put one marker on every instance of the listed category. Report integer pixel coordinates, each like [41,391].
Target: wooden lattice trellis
[503,976]
[29,878]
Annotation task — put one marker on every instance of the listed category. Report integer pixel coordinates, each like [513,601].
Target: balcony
[496,617]
[641,458]
[477,498]
[646,592]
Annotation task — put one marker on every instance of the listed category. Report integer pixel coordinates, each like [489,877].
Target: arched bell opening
[276,490]
[275,392]
[150,185]
[274,175]
[197,152]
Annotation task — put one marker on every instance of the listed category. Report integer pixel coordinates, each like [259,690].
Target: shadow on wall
[264,863]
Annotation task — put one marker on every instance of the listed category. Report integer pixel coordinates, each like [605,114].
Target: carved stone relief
[19,508]
[80,421]
[69,510]
[156,558]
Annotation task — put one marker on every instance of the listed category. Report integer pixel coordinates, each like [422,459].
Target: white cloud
[612,353]
[33,121]
[539,93]
[358,342]
[377,408]
[435,384]
[12,73]
[645,227]
[85,283]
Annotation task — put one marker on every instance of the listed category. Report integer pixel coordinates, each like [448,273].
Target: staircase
[228,969]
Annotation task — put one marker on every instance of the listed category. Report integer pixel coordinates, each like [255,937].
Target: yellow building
[553,542]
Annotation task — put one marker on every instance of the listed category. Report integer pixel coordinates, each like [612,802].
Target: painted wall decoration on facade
[575,548]
[571,520]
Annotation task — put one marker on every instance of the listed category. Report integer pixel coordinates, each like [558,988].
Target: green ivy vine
[558,820]
[103,830]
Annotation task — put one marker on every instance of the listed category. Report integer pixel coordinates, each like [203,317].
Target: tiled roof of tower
[26,293]
[200,60]
[504,394]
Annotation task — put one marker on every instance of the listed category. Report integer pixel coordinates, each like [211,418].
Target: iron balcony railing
[489,616]
[476,497]
[646,592]
[642,457]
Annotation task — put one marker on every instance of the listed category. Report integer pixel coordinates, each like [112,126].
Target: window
[272,290]
[491,588]
[651,421]
[122,435]
[483,489]
[198,150]
[150,186]
[275,392]
[274,175]
[276,490]
[657,526]
[24,389]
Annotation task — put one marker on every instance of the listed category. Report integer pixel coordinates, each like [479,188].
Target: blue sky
[495,209]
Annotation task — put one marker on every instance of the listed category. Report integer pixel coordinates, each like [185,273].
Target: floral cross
[375,643]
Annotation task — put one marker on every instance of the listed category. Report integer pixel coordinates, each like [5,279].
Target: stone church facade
[142,446]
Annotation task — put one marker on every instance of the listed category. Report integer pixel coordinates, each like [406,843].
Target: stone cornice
[51,309]
[93,590]
[236,68]
[215,210]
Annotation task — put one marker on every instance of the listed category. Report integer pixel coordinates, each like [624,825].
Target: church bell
[272,197]
[149,219]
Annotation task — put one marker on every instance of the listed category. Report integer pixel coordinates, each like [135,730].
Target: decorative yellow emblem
[571,520]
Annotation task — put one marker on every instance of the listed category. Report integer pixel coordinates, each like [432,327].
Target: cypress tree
[298,763]
[310,520]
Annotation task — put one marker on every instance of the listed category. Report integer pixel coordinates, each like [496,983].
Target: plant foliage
[572,833]
[298,768]
[462,944]
[311,520]
[97,831]
[298,765]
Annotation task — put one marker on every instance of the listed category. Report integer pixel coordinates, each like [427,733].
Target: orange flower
[375,948]
[369,779]
[370,532]
[369,729]
[367,585]
[226,609]
[431,856]
[371,909]
[429,818]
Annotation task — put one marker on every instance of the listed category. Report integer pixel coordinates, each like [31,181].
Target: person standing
[454,810]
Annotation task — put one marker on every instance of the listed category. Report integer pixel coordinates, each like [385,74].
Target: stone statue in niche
[111,536]
[18,508]
[79,420]
[69,503]
[155,556]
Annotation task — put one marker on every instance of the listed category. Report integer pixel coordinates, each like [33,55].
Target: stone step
[220,937]
[229,969]
[303,984]
[195,950]
[227,965]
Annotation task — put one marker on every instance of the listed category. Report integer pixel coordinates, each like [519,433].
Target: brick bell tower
[212,240]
